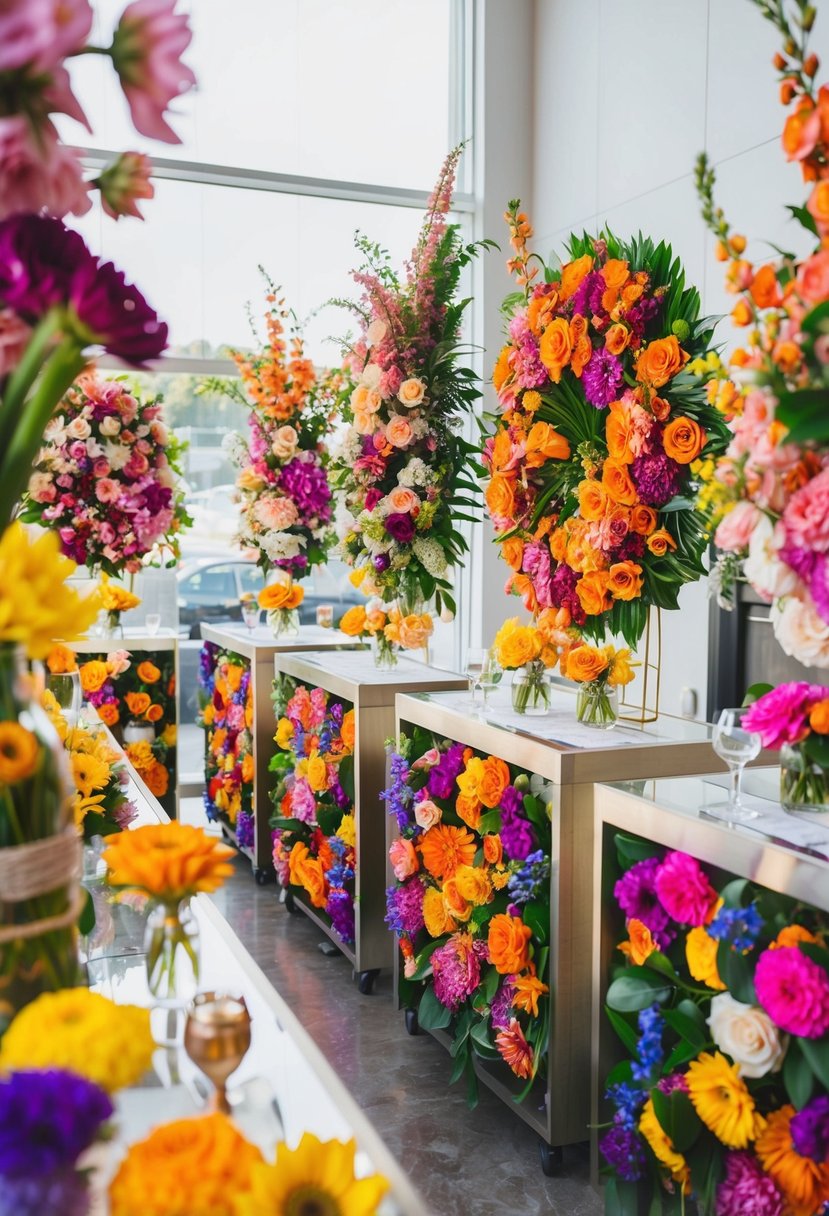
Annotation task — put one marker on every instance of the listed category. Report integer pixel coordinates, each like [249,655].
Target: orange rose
[572,275]
[456,905]
[555,348]
[93,675]
[616,339]
[592,592]
[544,443]
[312,878]
[508,941]
[660,408]
[469,809]
[659,361]
[61,660]
[157,779]
[348,730]
[154,714]
[593,500]
[512,551]
[501,451]
[642,519]
[640,945]
[585,663]
[500,497]
[540,310]
[801,131]
[625,580]
[617,481]
[281,596]
[818,204]
[683,439]
[353,622]
[415,630]
[787,355]
[502,371]
[494,780]
[660,542]
[493,850]
[108,713]
[819,717]
[399,431]
[741,313]
[618,432]
[581,344]
[137,703]
[148,673]
[764,289]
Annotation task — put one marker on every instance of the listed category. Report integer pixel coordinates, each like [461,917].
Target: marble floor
[482,1162]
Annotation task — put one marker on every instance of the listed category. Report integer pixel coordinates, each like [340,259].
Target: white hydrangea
[415,473]
[430,555]
[420,427]
[279,545]
[235,448]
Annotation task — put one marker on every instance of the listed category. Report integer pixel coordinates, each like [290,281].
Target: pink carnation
[683,889]
[807,514]
[794,991]
[746,1189]
[781,715]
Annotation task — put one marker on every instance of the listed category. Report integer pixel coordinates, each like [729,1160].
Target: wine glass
[152,621]
[476,657]
[736,746]
[250,614]
[65,687]
[491,675]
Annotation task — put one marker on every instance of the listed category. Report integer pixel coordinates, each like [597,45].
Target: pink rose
[734,533]
[807,514]
[403,859]
[428,759]
[107,490]
[427,814]
[146,50]
[106,533]
[399,432]
[37,176]
[101,467]
[813,278]
[800,630]
[402,500]
[127,408]
[137,465]
[118,661]
[14,336]
[276,514]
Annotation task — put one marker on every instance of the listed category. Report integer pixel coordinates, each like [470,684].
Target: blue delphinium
[399,796]
[649,1048]
[532,880]
[740,927]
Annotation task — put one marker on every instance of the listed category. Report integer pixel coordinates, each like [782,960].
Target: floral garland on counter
[314,830]
[471,904]
[227,716]
[722,1007]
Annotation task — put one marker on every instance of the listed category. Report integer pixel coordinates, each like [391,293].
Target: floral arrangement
[48,1120]
[722,1008]
[280,600]
[766,497]
[287,507]
[402,459]
[227,716]
[167,862]
[387,629]
[589,463]
[471,904]
[107,478]
[794,717]
[116,600]
[315,833]
[535,648]
[599,671]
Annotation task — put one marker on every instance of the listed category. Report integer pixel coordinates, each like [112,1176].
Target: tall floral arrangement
[589,460]
[402,462]
[767,498]
[107,478]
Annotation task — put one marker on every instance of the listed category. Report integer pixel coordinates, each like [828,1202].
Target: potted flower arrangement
[794,718]
[529,651]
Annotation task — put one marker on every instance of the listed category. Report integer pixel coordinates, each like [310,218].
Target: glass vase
[385,652]
[597,705]
[40,897]
[531,689]
[804,784]
[172,948]
[284,622]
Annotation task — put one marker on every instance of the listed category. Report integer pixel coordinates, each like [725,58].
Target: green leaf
[806,414]
[737,973]
[423,967]
[677,1117]
[816,953]
[621,1198]
[537,916]
[657,961]
[797,1075]
[480,1035]
[624,1030]
[755,692]
[490,821]
[816,1052]
[431,1014]
[805,218]
[630,849]
[86,920]
[816,320]
[637,988]
[733,892]
[686,1027]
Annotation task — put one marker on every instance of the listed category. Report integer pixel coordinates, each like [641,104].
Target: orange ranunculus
[61,660]
[801,130]
[593,500]
[444,848]
[818,205]
[493,849]
[764,289]
[581,344]
[281,596]
[558,543]
[618,432]
[592,592]
[154,713]
[502,371]
[683,439]
[353,622]
[544,443]
[616,339]
[494,780]
[500,497]
[508,941]
[148,673]
[585,663]
[660,542]
[741,313]
[157,779]
[642,519]
[625,580]
[555,347]
[469,809]
[572,275]
[93,675]
[660,408]
[659,361]
[348,729]
[248,767]
[640,944]
[617,481]
[108,713]
[819,717]
[415,630]
[512,551]
[138,703]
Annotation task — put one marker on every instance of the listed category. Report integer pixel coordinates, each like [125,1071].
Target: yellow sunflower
[722,1100]
[314,1179]
[19,752]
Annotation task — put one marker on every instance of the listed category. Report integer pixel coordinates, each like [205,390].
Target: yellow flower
[36,606]
[516,644]
[347,830]
[701,956]
[356,577]
[662,1146]
[722,1100]
[19,753]
[81,807]
[115,598]
[88,772]
[474,884]
[169,734]
[620,670]
[284,733]
[317,772]
[83,1032]
[53,710]
[168,861]
[315,1177]
[61,659]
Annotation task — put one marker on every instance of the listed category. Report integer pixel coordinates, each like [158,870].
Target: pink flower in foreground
[146,50]
[124,182]
[14,334]
[37,173]
[807,514]
[794,991]
[42,32]
[683,889]
[734,533]
[781,716]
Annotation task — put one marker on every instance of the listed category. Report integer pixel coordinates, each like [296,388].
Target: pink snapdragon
[146,50]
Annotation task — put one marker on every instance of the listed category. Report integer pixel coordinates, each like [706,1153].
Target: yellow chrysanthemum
[722,1100]
[314,1179]
[662,1146]
[347,831]
[115,598]
[83,1032]
[168,861]
[36,606]
[701,955]
[88,772]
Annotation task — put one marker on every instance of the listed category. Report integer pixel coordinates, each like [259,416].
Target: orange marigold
[444,848]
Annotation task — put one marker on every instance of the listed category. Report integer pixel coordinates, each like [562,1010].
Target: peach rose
[593,499]
[512,551]
[617,482]
[427,814]
[376,332]
[642,519]
[508,941]
[801,632]
[544,443]
[364,422]
[402,500]
[415,630]
[592,592]
[399,432]
[585,664]
[659,361]
[494,780]
[572,275]
[625,580]
[660,542]
[411,392]
[555,347]
[813,278]
[500,498]
[284,443]
[683,439]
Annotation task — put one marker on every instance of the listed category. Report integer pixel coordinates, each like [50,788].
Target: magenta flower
[38,257]
[41,33]
[146,49]
[810,1129]
[636,895]
[794,991]
[683,889]
[457,969]
[781,716]
[746,1189]
[401,527]
[602,378]
[114,314]
[657,478]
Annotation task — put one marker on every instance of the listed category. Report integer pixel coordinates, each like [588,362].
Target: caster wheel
[263,877]
[365,981]
[412,1024]
[291,904]
[552,1158]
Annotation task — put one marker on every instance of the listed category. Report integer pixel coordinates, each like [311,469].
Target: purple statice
[244,830]
[532,881]
[340,908]
[501,1009]
[64,1191]
[810,1129]
[636,895]
[305,481]
[649,1048]
[444,774]
[740,927]
[404,906]
[657,478]
[746,1189]
[399,796]
[457,969]
[563,592]
[622,1150]
[602,378]
[47,1120]
[587,298]
[537,563]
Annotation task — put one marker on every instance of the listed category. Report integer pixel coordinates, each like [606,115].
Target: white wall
[625,96]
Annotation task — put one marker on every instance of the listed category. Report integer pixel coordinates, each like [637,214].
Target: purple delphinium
[602,378]
[340,908]
[404,906]
[443,775]
[747,1190]
[810,1129]
[532,881]
[64,1191]
[657,478]
[636,895]
[622,1150]
[649,1047]
[47,1119]
[244,830]
[399,796]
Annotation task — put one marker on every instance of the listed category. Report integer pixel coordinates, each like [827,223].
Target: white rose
[800,631]
[411,392]
[110,425]
[768,576]
[79,428]
[371,375]
[427,814]
[376,332]
[117,454]
[747,1034]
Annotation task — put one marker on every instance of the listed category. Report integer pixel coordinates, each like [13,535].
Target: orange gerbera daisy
[804,1182]
[168,861]
[515,1050]
[444,848]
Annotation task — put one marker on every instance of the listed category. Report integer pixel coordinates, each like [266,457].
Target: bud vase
[597,705]
[385,652]
[531,689]
[171,945]
[804,784]
[284,622]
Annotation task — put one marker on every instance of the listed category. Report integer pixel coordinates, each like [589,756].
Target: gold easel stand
[644,707]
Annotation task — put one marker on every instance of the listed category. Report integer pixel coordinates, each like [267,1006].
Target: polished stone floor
[483,1162]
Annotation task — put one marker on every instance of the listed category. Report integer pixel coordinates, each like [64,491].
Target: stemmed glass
[476,657]
[65,686]
[491,675]
[736,746]
[250,614]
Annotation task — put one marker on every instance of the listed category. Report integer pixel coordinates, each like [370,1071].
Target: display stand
[258,647]
[354,678]
[572,758]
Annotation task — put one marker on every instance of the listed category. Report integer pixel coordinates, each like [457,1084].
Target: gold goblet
[216,1038]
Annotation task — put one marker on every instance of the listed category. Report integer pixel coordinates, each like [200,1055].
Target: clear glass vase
[804,784]
[172,947]
[597,704]
[284,622]
[531,689]
[385,652]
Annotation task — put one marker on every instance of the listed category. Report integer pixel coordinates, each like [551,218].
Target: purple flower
[47,1119]
[244,830]
[63,1191]
[457,969]
[587,298]
[518,838]
[115,314]
[305,481]
[340,908]
[674,1080]
[657,478]
[501,1010]
[810,1129]
[401,527]
[38,257]
[381,562]
[820,586]
[636,894]
[404,906]
[443,775]
[512,803]
[602,378]
[746,1189]
[622,1150]
[563,593]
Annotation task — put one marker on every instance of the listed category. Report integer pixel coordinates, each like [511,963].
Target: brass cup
[216,1038]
